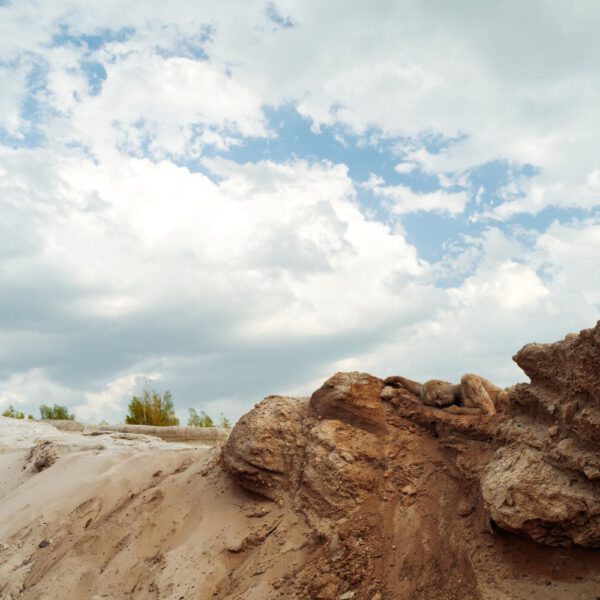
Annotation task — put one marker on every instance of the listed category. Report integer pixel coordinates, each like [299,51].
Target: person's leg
[475,394]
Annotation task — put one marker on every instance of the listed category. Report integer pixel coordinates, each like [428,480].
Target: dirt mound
[408,501]
[357,493]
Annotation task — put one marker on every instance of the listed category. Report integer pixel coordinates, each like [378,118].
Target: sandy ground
[118,516]
[127,517]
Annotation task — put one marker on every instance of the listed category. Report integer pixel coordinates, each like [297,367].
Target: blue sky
[232,201]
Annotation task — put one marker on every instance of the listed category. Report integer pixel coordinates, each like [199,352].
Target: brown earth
[408,501]
[341,496]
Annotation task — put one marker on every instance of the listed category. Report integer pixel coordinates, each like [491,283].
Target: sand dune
[125,518]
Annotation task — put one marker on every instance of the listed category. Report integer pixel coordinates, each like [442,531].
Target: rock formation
[409,501]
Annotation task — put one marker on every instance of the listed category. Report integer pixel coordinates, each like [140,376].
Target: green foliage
[199,420]
[12,413]
[30,417]
[152,409]
[56,413]
[203,420]
[103,422]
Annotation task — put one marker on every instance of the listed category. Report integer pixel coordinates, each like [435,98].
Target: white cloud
[508,286]
[33,388]
[268,273]
[170,263]
[13,93]
[150,105]
[402,200]
[405,167]
[531,101]
[113,398]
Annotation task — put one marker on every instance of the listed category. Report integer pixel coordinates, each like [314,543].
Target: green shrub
[203,420]
[12,413]
[152,409]
[199,420]
[56,413]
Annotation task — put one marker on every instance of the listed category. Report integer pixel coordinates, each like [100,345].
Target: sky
[235,199]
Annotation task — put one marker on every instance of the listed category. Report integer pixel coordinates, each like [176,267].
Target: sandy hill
[355,493]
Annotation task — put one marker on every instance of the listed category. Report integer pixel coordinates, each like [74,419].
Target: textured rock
[555,426]
[398,495]
[44,455]
[288,445]
[341,467]
[265,450]
[352,398]
[565,382]
[527,495]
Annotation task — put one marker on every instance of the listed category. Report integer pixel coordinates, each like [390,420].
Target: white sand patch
[22,433]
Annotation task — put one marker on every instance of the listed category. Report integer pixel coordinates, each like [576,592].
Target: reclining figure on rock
[474,395]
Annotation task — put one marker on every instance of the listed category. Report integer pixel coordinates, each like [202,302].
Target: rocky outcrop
[547,483]
[525,494]
[403,497]
[352,398]
[291,447]
[565,384]
[266,448]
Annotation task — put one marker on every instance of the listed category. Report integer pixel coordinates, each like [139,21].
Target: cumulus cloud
[162,107]
[110,400]
[134,242]
[530,101]
[152,260]
[402,200]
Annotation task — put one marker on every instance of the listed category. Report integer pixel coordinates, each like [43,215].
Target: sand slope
[132,521]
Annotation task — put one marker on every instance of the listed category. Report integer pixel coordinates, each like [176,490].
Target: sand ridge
[159,522]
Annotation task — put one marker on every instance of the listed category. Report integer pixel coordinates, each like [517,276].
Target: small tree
[199,420]
[56,413]
[152,409]
[224,422]
[12,413]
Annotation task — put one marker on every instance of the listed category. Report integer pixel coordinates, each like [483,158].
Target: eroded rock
[352,398]
[565,382]
[342,467]
[288,446]
[266,448]
[527,495]
[374,472]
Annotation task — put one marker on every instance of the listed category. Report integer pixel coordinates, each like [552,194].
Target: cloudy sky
[234,199]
